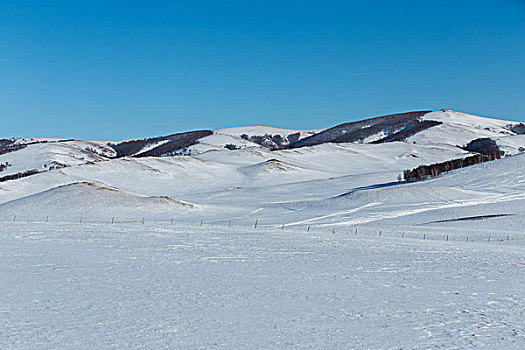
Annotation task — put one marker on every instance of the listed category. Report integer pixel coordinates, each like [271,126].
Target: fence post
[256,222]
[230,223]
[308,229]
[47,219]
[171,221]
[355,232]
[14,220]
[113,219]
[380,233]
[81,219]
[282,227]
[201,222]
[333,231]
[142,221]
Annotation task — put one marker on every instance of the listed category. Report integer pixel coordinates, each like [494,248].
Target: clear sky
[132,69]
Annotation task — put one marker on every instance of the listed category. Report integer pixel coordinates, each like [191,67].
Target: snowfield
[240,247]
[214,287]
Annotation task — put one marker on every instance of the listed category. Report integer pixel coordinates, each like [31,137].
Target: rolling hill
[249,172]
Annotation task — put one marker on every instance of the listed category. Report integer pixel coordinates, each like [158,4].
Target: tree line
[424,172]
[19,175]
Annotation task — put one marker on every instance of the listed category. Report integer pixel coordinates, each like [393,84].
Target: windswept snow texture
[191,287]
[236,246]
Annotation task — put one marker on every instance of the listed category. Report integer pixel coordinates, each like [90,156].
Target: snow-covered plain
[164,252]
[214,287]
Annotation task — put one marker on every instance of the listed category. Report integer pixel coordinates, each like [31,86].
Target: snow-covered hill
[91,201]
[249,172]
[251,238]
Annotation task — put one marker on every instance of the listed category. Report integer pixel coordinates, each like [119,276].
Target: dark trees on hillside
[19,175]
[231,146]
[485,146]
[486,149]
[518,128]
[273,142]
[7,146]
[396,127]
[177,142]
[425,171]
[174,143]
[4,166]
[409,130]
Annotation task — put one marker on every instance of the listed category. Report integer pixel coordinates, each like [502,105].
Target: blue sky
[133,69]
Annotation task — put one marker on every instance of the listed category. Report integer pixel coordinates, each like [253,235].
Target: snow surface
[461,128]
[164,253]
[191,287]
[45,156]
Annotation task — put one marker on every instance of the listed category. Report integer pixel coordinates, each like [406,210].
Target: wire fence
[409,232]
